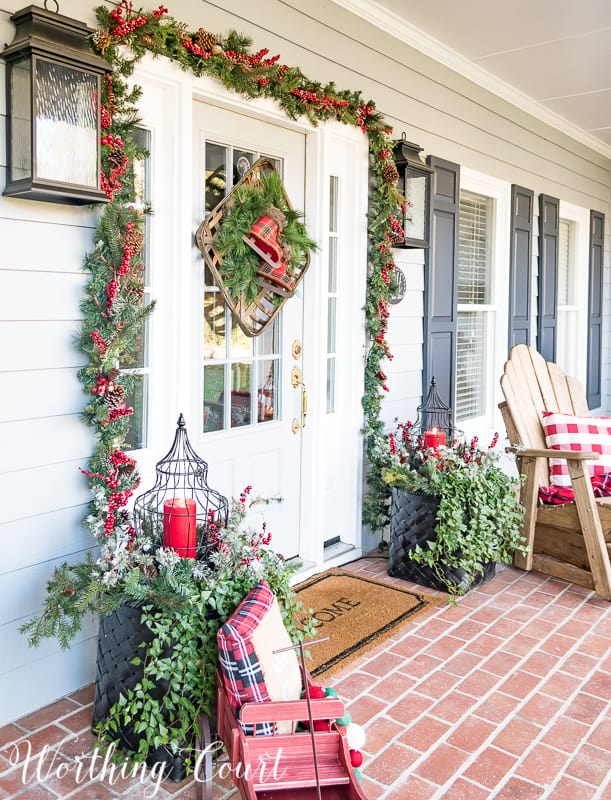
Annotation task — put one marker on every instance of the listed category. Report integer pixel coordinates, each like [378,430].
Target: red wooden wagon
[279,747]
[303,765]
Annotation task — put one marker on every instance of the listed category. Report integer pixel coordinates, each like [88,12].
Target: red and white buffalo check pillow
[587,434]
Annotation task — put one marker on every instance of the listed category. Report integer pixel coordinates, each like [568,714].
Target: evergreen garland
[228,58]
[114,309]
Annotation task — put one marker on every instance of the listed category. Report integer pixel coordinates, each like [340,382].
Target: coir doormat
[356,613]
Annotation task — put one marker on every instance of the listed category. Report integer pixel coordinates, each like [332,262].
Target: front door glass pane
[241,373]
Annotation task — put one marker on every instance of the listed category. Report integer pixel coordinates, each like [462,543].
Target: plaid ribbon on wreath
[265,232]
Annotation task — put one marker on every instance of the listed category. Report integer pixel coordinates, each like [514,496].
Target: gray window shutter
[520,265]
[547,317]
[440,280]
[595,315]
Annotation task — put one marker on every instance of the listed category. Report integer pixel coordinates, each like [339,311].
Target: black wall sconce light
[414,179]
[53,109]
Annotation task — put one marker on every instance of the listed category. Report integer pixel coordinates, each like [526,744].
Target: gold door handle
[304,404]
[297,380]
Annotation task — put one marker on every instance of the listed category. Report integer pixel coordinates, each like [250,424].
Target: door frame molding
[166,107]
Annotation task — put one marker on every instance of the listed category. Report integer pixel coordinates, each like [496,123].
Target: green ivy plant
[479,518]
[183,602]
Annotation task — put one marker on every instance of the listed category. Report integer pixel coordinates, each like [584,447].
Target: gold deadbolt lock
[296,349]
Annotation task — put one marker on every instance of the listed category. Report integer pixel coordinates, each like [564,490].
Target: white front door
[250,410]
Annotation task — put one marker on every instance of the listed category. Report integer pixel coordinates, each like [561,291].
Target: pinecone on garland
[135,291]
[134,239]
[204,39]
[148,41]
[112,374]
[114,398]
[127,469]
[102,39]
[390,173]
[116,157]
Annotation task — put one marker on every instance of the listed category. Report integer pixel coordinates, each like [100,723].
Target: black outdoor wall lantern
[414,178]
[53,109]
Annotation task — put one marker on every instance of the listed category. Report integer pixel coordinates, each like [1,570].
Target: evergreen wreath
[240,261]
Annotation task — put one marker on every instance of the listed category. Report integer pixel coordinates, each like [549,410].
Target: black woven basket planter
[119,638]
[413,518]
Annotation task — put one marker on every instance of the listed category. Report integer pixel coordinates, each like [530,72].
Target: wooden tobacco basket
[570,541]
[255,317]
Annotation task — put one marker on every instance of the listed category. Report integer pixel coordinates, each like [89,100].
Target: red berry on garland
[356,758]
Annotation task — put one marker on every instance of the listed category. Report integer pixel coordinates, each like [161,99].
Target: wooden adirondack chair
[571,541]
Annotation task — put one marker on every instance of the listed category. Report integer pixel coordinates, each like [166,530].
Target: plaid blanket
[558,495]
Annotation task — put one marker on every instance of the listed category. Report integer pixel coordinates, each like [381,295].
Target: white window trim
[500,192]
[580,217]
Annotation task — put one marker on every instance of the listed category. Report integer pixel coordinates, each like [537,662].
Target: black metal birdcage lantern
[181,510]
[434,422]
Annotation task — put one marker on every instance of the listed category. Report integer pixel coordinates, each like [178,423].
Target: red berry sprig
[98,341]
[190,45]
[117,413]
[364,112]
[124,27]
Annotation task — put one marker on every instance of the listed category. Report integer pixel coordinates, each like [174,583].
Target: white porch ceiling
[552,57]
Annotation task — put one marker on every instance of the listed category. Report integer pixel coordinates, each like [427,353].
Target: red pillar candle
[179,526]
[434,438]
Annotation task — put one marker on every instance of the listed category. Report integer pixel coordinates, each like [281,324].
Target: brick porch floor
[505,695]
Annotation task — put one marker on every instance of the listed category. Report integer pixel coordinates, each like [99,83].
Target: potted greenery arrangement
[454,511]
[172,608]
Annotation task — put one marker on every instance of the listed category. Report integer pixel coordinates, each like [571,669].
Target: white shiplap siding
[43,442]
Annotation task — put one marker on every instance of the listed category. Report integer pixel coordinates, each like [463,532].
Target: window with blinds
[474,257]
